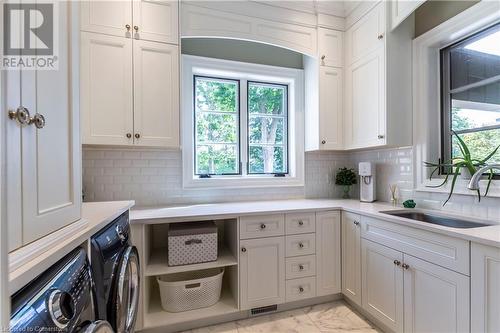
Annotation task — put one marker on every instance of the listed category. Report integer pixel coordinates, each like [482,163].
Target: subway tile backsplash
[154,177]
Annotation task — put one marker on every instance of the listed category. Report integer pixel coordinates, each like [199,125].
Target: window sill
[242,182]
[461,187]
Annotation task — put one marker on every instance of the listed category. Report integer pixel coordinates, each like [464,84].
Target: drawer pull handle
[301,290]
[397,262]
[243,250]
[263,226]
[301,267]
[193,241]
[405,266]
[301,223]
[301,245]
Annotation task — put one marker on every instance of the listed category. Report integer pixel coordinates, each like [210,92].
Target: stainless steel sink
[445,221]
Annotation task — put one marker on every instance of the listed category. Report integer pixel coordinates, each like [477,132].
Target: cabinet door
[51,156]
[156,94]
[401,9]
[351,257]
[107,17]
[330,106]
[262,272]
[328,272]
[330,47]
[365,102]
[156,20]
[485,288]
[436,299]
[106,89]
[382,284]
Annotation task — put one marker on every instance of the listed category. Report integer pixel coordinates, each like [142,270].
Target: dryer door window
[99,326]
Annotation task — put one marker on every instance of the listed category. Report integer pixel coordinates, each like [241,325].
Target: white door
[107,17]
[262,272]
[436,299]
[156,20]
[330,106]
[351,257]
[328,270]
[365,101]
[485,288]
[51,156]
[156,94]
[330,47]
[382,284]
[106,89]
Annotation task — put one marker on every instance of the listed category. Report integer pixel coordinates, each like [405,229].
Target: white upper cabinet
[44,161]
[330,47]
[106,89]
[401,9]
[156,20]
[378,103]
[156,94]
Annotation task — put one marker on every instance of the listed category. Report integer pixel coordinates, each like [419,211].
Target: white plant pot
[465,173]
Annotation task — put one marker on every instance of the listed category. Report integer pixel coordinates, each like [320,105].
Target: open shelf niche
[156,254]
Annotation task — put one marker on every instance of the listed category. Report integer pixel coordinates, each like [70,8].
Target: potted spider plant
[346,178]
[464,166]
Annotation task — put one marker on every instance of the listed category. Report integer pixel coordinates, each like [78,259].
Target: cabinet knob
[356,223]
[301,223]
[136,28]
[243,250]
[397,262]
[22,115]
[127,26]
[137,135]
[301,245]
[405,266]
[381,136]
[301,267]
[381,36]
[38,120]
[323,142]
[128,135]
[263,226]
[323,57]
[301,290]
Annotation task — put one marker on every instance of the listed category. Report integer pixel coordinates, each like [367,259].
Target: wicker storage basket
[190,290]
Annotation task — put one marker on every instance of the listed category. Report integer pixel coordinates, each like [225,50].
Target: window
[471,94]
[242,124]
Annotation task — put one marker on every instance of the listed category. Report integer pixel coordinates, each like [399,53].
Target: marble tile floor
[333,317]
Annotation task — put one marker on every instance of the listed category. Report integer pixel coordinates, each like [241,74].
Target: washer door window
[99,326]
[126,299]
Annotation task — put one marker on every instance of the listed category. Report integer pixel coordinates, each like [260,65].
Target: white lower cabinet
[262,272]
[298,289]
[407,294]
[351,257]
[485,287]
[328,278]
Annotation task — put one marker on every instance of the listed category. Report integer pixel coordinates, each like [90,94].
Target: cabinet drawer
[449,252]
[262,226]
[300,288]
[300,223]
[300,245]
[299,267]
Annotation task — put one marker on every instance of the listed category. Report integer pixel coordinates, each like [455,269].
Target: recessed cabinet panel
[262,272]
[300,245]
[330,44]
[106,89]
[328,272]
[107,17]
[330,106]
[262,226]
[351,257]
[382,287]
[156,20]
[156,94]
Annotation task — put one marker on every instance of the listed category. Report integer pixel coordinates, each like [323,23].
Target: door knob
[301,289]
[323,141]
[356,223]
[301,223]
[381,36]
[22,115]
[301,245]
[38,120]
[127,26]
[405,266]
[263,226]
[381,136]
[243,250]
[323,57]
[397,262]
[128,135]
[137,135]
[136,28]
[301,267]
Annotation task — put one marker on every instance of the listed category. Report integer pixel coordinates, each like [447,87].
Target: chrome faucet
[474,181]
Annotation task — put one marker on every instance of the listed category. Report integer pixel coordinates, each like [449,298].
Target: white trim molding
[294,78]
[426,91]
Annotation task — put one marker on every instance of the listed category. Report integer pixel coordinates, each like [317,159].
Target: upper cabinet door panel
[106,89]
[330,44]
[156,94]
[366,35]
[156,20]
[107,17]
[401,9]
[330,104]
[51,155]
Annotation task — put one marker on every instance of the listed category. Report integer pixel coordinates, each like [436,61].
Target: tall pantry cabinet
[130,73]
[43,169]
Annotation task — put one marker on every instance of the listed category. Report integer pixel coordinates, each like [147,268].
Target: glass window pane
[481,144]
[216,126]
[267,128]
[476,59]
[217,159]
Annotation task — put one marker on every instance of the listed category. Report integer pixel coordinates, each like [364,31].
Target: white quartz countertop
[95,215]
[489,235]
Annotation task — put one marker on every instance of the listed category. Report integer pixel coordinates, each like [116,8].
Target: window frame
[244,72]
[446,135]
